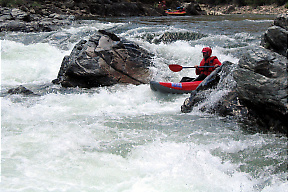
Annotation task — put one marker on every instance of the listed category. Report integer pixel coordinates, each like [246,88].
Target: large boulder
[193,8]
[261,78]
[104,60]
[276,36]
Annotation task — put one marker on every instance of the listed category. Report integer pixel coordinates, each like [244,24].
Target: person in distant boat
[207,60]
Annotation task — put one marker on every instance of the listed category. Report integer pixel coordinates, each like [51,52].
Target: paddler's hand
[196,66]
[216,65]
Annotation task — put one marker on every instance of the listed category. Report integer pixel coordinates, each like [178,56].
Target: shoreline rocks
[19,20]
[51,15]
[234,9]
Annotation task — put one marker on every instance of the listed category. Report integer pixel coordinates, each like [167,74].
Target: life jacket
[211,61]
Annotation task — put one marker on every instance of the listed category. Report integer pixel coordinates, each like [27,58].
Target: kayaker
[207,60]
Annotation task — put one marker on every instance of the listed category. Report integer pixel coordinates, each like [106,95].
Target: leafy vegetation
[10,3]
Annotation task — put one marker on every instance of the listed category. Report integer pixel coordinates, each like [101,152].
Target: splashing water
[127,137]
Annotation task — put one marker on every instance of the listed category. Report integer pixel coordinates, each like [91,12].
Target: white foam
[125,138]
[29,63]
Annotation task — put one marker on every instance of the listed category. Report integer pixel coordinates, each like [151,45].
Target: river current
[127,138]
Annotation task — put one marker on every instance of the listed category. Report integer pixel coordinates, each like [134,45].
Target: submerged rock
[21,90]
[104,60]
[169,37]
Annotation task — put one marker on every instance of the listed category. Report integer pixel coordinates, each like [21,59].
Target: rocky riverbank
[234,9]
[50,15]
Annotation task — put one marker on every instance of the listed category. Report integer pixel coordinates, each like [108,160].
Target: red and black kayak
[175,12]
[179,88]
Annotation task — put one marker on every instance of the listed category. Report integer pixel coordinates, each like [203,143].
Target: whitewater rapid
[127,138]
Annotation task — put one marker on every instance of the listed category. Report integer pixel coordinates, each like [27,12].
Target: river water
[127,138]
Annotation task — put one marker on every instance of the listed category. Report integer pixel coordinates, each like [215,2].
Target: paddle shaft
[198,67]
[176,68]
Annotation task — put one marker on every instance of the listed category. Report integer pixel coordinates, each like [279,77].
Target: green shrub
[11,3]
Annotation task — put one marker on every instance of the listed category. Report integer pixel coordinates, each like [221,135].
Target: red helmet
[207,49]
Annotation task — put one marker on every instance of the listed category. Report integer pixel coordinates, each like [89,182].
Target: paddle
[177,68]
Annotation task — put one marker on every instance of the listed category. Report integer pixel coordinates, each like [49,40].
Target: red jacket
[211,61]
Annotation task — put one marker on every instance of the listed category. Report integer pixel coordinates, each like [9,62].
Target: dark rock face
[261,78]
[193,9]
[276,37]
[264,74]
[104,60]
[116,8]
[282,21]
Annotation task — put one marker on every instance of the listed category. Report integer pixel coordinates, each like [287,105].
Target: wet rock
[261,78]
[21,90]
[169,37]
[205,88]
[276,37]
[104,60]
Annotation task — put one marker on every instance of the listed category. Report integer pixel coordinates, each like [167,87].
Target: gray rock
[261,77]
[19,14]
[275,38]
[193,9]
[205,88]
[282,21]
[104,60]
[21,90]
